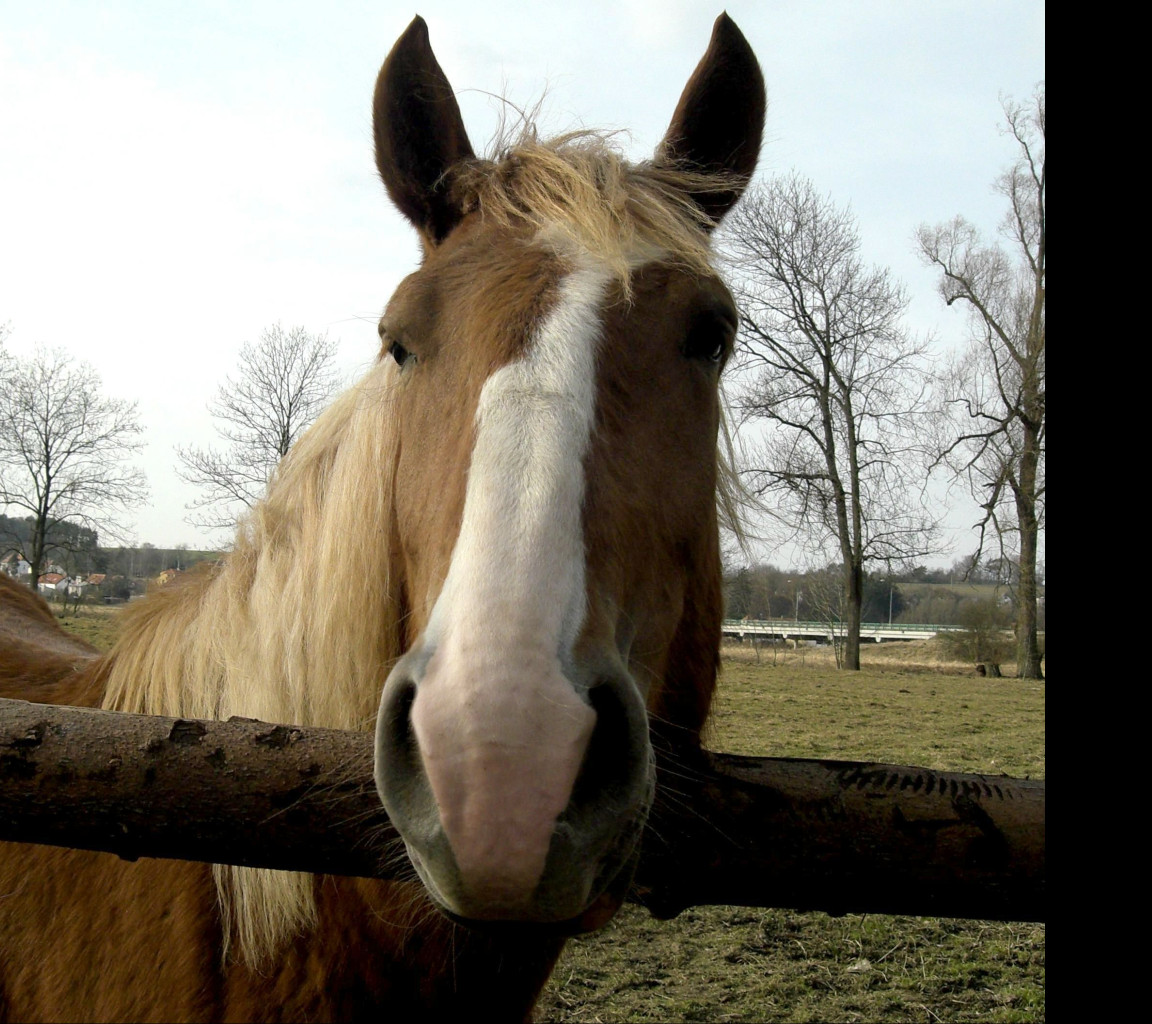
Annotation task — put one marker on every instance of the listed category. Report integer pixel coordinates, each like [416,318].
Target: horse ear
[419,133]
[719,120]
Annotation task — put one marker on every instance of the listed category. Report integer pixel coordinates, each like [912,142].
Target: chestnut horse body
[500,547]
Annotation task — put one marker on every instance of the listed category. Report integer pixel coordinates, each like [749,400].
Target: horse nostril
[395,724]
[617,756]
[398,768]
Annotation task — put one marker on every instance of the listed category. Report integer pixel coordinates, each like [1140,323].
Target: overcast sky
[176,177]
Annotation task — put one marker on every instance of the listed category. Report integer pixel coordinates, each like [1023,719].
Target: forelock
[580,194]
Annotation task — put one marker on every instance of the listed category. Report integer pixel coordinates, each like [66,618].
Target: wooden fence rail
[768,832]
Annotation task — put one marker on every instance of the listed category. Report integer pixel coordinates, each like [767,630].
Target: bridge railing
[785,626]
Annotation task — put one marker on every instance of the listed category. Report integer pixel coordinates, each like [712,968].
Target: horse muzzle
[521,797]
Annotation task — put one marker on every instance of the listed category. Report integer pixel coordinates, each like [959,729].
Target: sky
[175,177]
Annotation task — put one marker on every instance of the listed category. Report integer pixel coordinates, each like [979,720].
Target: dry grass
[926,656]
[908,705]
[98,624]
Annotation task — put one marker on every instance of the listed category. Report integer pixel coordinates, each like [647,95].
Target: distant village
[57,584]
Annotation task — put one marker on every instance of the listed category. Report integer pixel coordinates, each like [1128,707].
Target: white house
[14,565]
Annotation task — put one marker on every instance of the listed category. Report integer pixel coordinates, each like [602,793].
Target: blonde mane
[300,624]
[251,638]
[255,638]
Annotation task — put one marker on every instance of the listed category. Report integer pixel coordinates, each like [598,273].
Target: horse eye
[399,353]
[708,339]
[390,345]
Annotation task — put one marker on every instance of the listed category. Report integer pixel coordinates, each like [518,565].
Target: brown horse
[501,546]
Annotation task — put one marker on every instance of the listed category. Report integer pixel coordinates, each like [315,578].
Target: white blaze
[500,727]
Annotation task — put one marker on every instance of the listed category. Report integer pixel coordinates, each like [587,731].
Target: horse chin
[595,915]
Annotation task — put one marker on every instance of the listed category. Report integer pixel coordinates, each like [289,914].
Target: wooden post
[815,835]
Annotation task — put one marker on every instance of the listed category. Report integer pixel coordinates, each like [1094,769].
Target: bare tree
[282,383]
[825,594]
[994,394]
[65,451]
[837,382]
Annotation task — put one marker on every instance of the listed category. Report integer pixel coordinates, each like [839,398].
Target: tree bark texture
[768,832]
[1027,640]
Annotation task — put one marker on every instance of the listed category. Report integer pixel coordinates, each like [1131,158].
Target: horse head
[554,364]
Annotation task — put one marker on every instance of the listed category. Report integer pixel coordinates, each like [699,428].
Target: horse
[499,550]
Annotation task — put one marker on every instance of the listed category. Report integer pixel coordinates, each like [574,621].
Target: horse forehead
[663,288]
[487,291]
[493,292]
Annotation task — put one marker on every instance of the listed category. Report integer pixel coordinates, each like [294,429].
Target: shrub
[983,637]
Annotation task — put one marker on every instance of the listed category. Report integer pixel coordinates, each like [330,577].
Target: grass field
[98,624]
[909,705]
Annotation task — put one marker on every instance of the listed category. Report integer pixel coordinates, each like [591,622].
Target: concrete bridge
[822,632]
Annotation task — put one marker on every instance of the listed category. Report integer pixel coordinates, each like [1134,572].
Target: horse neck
[299,623]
